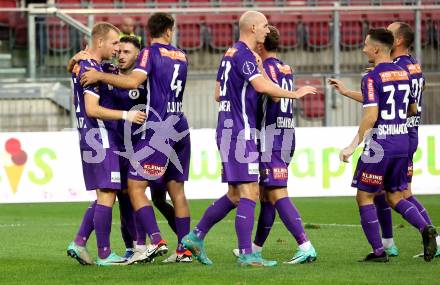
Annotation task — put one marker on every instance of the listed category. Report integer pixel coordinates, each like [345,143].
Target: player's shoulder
[387,72]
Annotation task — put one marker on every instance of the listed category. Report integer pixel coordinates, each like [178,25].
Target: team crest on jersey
[133,94]
[248,67]
[371,179]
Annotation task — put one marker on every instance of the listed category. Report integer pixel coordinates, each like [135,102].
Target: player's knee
[394,198]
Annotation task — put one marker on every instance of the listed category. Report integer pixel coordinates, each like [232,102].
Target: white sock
[387,242]
[141,248]
[437,239]
[305,246]
[256,248]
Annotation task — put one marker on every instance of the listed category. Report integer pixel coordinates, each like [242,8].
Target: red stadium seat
[198,3]
[380,20]
[135,3]
[220,30]
[288,25]
[167,3]
[58,34]
[6,18]
[352,30]
[312,106]
[102,3]
[189,32]
[435,18]
[69,3]
[270,3]
[317,30]
[231,3]
[409,18]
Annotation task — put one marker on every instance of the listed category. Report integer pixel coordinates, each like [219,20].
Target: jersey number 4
[176,85]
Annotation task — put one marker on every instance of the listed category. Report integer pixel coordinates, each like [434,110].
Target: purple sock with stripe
[146,217]
[291,219]
[183,226]
[384,215]
[87,226]
[103,225]
[370,225]
[265,223]
[411,214]
[421,209]
[244,224]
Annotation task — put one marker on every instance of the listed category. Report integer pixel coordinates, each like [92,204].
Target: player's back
[166,67]
[107,129]
[278,115]
[388,87]
[238,99]
[417,79]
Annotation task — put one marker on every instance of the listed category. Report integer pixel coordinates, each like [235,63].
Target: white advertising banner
[46,167]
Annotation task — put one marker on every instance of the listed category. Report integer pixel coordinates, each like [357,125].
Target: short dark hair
[132,40]
[407,33]
[159,23]
[382,36]
[272,40]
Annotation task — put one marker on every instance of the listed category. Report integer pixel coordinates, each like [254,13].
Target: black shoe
[429,243]
[376,258]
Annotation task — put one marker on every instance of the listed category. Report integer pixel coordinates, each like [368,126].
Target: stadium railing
[319,42]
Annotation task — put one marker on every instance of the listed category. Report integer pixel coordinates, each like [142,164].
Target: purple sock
[265,222]
[411,214]
[103,226]
[291,219]
[244,224]
[384,216]
[183,226]
[421,209]
[145,216]
[141,235]
[128,229]
[215,213]
[370,225]
[86,227]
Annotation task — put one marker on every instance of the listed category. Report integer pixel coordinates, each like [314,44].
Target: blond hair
[101,29]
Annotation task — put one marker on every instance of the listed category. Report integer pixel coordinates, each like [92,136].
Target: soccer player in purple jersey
[383,164]
[239,81]
[161,68]
[129,49]
[403,40]
[277,145]
[97,130]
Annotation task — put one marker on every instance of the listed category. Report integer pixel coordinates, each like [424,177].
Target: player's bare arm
[369,118]
[412,110]
[262,85]
[94,110]
[217,91]
[123,81]
[343,90]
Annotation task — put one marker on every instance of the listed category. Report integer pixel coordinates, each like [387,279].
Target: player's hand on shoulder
[137,117]
[91,76]
[305,90]
[345,154]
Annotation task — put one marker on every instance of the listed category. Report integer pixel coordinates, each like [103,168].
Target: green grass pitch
[34,237]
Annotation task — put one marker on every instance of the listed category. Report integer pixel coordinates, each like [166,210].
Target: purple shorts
[239,161]
[170,163]
[390,174]
[105,174]
[274,168]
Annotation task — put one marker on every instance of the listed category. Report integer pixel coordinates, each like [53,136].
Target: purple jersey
[106,135]
[126,99]
[166,67]
[238,99]
[417,78]
[276,119]
[387,86]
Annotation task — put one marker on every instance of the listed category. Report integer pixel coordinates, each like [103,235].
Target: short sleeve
[144,62]
[247,65]
[369,92]
[220,71]
[84,65]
